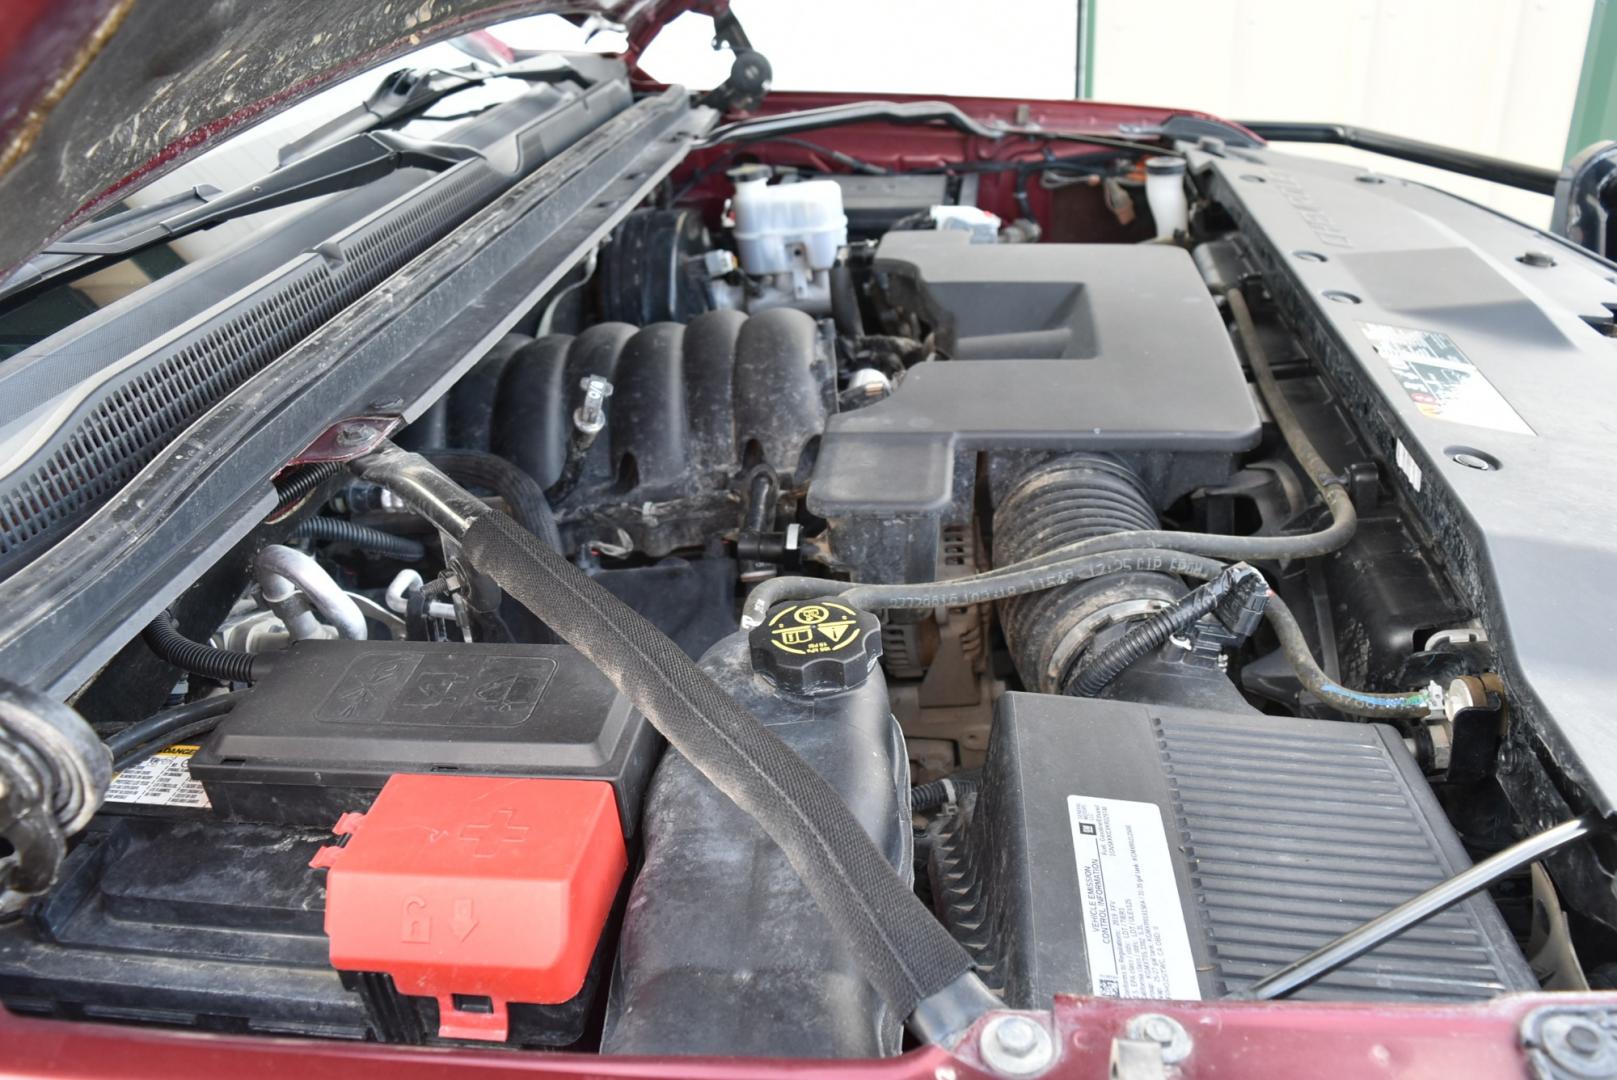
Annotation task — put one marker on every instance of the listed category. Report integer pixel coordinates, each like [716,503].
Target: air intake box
[1134,851]
[322,732]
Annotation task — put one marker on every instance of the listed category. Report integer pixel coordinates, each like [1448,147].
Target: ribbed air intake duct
[1058,502]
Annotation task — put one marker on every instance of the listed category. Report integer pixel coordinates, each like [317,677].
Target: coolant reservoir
[784,227]
[723,951]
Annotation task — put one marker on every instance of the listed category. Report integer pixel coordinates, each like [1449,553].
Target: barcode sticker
[1134,927]
[164,779]
[1406,463]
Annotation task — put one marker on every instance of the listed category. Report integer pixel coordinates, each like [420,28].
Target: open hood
[97,96]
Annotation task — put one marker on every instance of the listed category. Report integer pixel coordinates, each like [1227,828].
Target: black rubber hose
[165,639]
[524,499]
[1147,635]
[936,794]
[845,303]
[142,739]
[913,962]
[377,541]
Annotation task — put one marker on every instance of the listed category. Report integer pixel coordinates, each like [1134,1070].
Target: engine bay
[1014,534]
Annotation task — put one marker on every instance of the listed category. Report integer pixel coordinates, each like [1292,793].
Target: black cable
[366,538]
[723,161]
[936,794]
[1038,574]
[165,639]
[1147,635]
[524,499]
[144,738]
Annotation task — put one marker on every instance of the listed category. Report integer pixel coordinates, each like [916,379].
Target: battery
[320,734]
[1136,851]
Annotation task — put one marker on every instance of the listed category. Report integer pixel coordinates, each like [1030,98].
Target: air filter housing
[1134,851]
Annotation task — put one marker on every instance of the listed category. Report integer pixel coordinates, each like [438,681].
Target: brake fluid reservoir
[782,227]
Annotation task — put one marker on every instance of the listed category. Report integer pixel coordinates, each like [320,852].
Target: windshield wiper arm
[353,162]
[408,91]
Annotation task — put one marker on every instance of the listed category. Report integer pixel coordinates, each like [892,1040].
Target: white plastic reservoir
[776,222]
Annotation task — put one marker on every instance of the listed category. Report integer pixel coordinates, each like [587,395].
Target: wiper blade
[408,91]
[350,163]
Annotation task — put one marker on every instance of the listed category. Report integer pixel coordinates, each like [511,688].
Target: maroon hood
[97,96]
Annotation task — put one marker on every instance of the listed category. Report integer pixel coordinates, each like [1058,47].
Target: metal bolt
[1540,259]
[354,435]
[590,417]
[1016,1045]
[1018,1036]
[1166,1032]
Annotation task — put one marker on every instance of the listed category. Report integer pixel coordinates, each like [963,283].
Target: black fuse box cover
[321,733]
[1281,834]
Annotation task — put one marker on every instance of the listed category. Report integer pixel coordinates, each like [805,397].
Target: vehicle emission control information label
[164,779]
[1442,381]
[1134,928]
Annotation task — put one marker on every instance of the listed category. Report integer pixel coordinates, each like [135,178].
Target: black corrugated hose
[364,537]
[1148,634]
[165,639]
[936,794]
[295,487]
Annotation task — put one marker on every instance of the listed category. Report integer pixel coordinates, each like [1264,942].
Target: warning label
[1441,380]
[164,779]
[807,629]
[1134,928]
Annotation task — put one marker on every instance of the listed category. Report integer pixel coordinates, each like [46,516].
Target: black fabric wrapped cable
[908,955]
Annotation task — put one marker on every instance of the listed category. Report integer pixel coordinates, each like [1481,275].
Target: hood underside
[99,96]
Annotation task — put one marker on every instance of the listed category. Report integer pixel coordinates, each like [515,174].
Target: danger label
[1134,928]
[807,629]
[164,779]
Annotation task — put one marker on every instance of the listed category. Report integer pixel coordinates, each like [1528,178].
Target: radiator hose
[910,958]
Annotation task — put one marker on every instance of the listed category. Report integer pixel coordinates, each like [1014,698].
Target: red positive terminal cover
[473,887]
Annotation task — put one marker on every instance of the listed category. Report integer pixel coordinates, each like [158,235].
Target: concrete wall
[1495,76]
